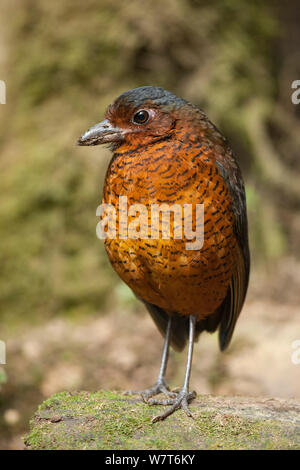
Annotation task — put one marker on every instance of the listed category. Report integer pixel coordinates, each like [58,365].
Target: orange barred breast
[163,271]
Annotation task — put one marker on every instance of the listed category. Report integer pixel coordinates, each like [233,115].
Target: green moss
[109,420]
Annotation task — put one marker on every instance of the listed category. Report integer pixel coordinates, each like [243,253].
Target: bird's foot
[182,399]
[161,386]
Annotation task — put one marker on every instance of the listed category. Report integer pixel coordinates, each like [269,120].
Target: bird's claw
[182,400]
[161,386]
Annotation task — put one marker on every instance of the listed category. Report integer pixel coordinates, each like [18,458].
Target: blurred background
[68,322]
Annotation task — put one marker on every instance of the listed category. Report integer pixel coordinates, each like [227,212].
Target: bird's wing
[233,303]
[227,314]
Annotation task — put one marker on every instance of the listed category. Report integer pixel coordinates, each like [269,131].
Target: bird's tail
[180,325]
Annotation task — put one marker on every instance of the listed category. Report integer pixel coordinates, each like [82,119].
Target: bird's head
[138,116]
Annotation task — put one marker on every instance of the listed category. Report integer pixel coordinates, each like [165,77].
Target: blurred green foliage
[65,62]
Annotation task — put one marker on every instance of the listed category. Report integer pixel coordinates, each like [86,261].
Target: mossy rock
[109,420]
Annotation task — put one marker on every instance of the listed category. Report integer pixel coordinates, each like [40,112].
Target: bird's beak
[102,133]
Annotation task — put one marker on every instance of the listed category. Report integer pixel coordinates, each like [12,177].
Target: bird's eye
[141,117]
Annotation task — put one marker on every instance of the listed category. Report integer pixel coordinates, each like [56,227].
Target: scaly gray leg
[161,385]
[184,397]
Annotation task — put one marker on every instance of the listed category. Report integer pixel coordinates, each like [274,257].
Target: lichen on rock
[109,420]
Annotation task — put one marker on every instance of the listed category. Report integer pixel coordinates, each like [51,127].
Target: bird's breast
[156,257]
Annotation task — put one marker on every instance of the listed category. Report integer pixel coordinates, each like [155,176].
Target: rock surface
[110,420]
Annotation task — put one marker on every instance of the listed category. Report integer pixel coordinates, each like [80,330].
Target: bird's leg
[184,396]
[161,385]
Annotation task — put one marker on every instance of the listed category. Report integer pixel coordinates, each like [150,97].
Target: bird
[165,150]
